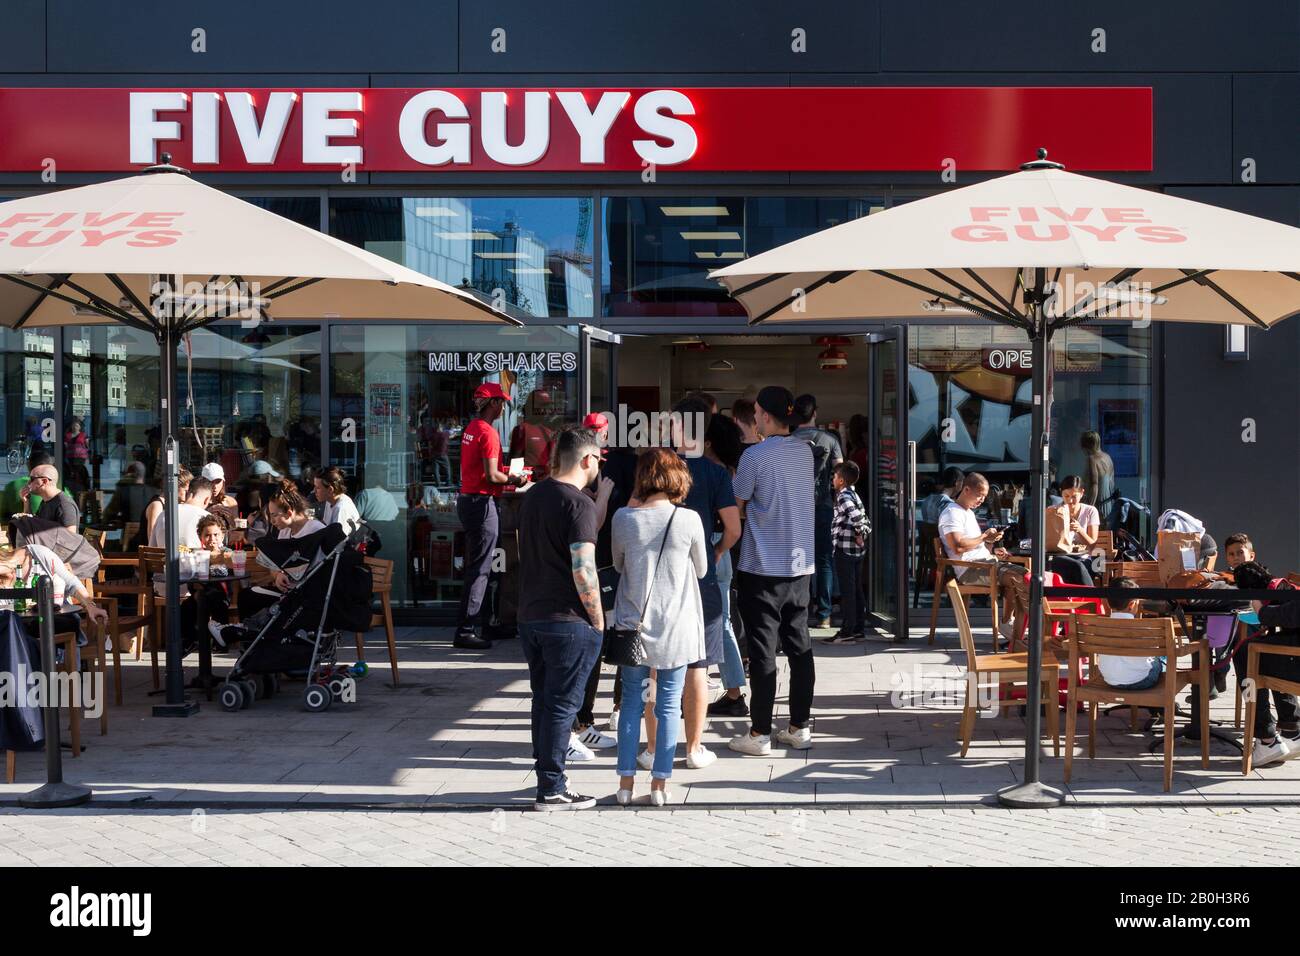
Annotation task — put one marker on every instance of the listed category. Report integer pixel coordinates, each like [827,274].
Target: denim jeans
[1152,678]
[668,713]
[733,666]
[560,657]
[822,587]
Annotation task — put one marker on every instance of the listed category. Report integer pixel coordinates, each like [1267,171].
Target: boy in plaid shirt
[849,530]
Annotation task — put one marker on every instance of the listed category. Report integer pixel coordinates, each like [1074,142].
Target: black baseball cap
[778,402]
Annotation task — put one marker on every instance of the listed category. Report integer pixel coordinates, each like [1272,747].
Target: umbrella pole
[1031,793]
[178,705]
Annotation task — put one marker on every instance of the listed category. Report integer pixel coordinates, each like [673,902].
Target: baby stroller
[298,635]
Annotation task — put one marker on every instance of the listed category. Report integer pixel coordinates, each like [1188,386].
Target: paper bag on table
[1056,530]
[1177,553]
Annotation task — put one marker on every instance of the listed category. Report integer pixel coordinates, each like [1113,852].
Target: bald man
[51,504]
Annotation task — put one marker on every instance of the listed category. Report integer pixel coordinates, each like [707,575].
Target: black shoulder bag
[623,646]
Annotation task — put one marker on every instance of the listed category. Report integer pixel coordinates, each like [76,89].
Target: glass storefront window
[27,387]
[110,421]
[532,256]
[304,210]
[659,251]
[970,404]
[400,396]
[249,396]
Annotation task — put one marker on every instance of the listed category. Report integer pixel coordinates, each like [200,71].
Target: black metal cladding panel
[22,35]
[1266,125]
[1155,35]
[715,36]
[95,36]
[1231,484]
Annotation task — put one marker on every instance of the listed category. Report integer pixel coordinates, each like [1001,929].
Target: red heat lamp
[832,358]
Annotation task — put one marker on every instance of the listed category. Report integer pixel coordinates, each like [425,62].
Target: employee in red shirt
[481,480]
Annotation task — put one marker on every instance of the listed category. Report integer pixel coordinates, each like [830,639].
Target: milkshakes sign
[487,362]
[556,130]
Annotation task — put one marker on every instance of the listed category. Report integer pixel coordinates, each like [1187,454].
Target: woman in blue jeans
[659,552]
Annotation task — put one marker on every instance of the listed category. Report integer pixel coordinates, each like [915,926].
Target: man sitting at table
[189,512]
[964,541]
[1273,743]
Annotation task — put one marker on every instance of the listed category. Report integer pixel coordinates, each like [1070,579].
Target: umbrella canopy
[967,251]
[87,255]
[1040,250]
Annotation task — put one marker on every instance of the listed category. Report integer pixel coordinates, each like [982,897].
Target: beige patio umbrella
[1040,250]
[124,251]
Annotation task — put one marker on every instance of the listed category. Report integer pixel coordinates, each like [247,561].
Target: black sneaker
[568,800]
[726,706]
[1221,681]
[470,641]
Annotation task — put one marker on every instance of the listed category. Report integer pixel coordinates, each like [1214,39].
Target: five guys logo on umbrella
[1054,224]
[144,230]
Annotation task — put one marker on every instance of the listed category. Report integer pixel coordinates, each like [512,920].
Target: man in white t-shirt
[963,540]
[188,514]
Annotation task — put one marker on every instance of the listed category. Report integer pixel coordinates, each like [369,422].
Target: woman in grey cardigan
[672,627]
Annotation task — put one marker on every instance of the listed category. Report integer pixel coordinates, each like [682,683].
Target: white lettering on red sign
[670,139]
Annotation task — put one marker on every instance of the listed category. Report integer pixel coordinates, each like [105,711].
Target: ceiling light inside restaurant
[694,210]
[687,340]
[695,236]
[721,365]
[436,212]
[832,360]
[476,235]
[732,254]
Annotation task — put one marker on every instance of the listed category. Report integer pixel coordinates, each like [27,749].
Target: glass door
[599,370]
[888,497]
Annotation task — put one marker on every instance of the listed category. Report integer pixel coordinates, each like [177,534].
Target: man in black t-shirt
[560,618]
[47,501]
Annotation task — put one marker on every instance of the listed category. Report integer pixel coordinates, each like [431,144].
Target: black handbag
[623,646]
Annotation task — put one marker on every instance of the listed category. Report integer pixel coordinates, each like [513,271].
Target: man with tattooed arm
[561,621]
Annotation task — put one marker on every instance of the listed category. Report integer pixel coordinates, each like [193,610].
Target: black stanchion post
[55,793]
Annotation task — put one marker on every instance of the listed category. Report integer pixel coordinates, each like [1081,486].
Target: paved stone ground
[456,733]
[1147,837]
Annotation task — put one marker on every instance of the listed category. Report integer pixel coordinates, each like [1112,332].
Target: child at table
[1128,673]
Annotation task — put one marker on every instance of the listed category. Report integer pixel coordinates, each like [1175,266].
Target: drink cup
[202,564]
[237,561]
[59,591]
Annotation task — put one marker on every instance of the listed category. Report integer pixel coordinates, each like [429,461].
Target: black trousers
[1288,668]
[848,570]
[775,612]
[478,516]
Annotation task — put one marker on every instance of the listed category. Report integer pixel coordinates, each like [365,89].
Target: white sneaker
[624,798]
[800,739]
[219,639]
[659,798]
[613,722]
[646,760]
[752,746]
[578,751]
[701,758]
[594,739]
[1281,749]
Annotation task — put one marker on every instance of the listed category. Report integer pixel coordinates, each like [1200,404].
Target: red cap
[595,420]
[490,390]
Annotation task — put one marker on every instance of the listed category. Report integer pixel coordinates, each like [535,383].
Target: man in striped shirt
[774,491]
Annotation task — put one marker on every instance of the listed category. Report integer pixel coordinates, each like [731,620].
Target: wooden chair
[1145,574]
[108,592]
[926,534]
[942,564]
[1091,635]
[381,573]
[129,531]
[96,537]
[154,561]
[1105,542]
[72,656]
[1006,669]
[1254,651]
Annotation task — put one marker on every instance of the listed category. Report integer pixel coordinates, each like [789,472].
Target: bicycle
[19,451]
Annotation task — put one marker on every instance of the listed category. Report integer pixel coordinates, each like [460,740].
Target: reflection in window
[971,400]
[250,396]
[400,398]
[304,210]
[531,257]
[659,251]
[111,439]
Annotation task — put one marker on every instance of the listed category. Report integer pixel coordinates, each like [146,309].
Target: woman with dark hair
[1082,525]
[289,516]
[331,489]
[660,553]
